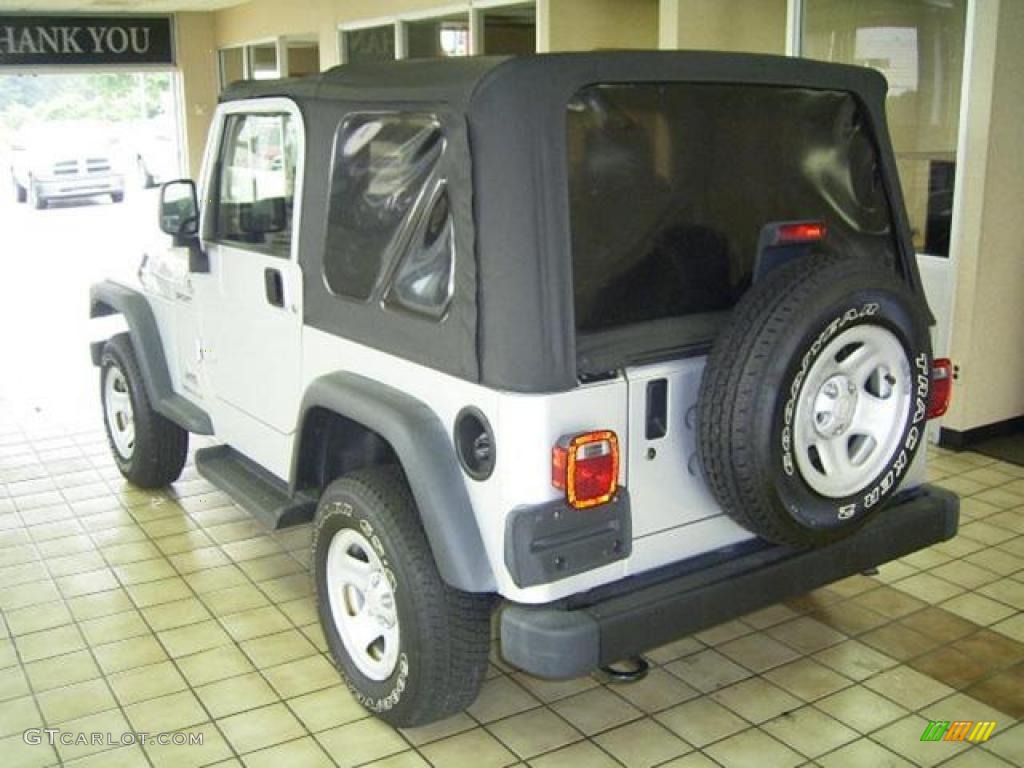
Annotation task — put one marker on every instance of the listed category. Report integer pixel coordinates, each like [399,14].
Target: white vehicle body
[247,364]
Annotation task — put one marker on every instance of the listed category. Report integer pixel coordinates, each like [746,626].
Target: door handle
[274,286]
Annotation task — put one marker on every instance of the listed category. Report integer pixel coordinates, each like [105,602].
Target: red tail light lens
[942,387]
[586,467]
[801,232]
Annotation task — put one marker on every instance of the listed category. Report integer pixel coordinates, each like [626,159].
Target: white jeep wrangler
[621,344]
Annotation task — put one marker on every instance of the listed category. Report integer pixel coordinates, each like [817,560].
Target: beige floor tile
[13,683]
[110,722]
[1007,742]
[657,691]
[100,604]
[212,665]
[978,608]
[807,679]
[770,616]
[173,712]
[34,618]
[553,690]
[147,682]
[179,613]
[964,574]
[118,757]
[193,638]
[675,650]
[18,714]
[18,754]
[1005,591]
[407,759]
[580,753]
[259,728]
[240,596]
[707,671]
[50,642]
[931,589]
[328,708]
[1012,627]
[278,648]
[212,749]
[61,670]
[158,592]
[442,729]
[114,627]
[854,659]
[362,741]
[756,699]
[861,753]
[861,708]
[144,571]
[59,705]
[724,632]
[758,652]
[295,678]
[596,710]
[692,760]
[236,694]
[128,654]
[809,731]
[908,687]
[701,721]
[87,583]
[305,752]
[904,738]
[806,634]
[535,732]
[501,697]
[642,744]
[472,749]
[753,747]
[256,622]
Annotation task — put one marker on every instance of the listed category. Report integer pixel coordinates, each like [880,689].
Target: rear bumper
[572,638]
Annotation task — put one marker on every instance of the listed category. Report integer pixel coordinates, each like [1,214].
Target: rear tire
[149,449]
[117,197]
[813,399]
[411,648]
[36,200]
[20,193]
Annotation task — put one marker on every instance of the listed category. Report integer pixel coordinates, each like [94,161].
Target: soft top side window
[389,205]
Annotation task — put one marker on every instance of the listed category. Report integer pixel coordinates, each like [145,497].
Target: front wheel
[149,449]
[411,648]
[36,200]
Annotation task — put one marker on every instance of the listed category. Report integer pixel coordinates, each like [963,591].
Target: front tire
[412,649]
[36,200]
[20,193]
[149,449]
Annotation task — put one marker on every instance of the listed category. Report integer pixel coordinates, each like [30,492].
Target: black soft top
[511,326]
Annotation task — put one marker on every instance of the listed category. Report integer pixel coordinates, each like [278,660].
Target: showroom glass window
[368,44]
[255,190]
[919,46]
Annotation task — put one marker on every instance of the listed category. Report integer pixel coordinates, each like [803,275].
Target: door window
[254,188]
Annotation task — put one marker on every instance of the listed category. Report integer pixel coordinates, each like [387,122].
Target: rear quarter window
[388,216]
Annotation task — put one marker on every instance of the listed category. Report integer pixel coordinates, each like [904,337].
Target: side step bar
[559,641]
[262,494]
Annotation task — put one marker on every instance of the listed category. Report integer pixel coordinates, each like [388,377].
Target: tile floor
[123,610]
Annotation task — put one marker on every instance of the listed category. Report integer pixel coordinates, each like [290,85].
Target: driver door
[252,296]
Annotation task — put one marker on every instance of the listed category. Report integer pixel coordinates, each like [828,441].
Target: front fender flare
[425,451]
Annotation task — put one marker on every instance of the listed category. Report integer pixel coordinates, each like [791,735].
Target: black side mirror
[179,209]
[179,218]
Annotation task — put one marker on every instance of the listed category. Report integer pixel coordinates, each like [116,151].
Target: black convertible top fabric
[511,325]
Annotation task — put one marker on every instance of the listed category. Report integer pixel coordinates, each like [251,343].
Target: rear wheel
[813,400]
[149,449]
[20,193]
[411,648]
[117,197]
[36,200]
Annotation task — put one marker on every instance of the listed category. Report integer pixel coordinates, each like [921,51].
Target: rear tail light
[800,232]
[586,467]
[942,387]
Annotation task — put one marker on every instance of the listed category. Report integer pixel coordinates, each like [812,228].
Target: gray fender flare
[425,450]
[110,298]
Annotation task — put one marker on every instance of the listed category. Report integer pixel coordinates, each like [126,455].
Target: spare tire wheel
[813,401]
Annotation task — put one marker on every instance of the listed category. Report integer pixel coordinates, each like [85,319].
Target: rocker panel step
[263,495]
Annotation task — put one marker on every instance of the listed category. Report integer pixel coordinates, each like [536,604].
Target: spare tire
[813,401]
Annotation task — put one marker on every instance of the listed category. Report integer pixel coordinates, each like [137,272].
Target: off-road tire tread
[733,379]
[161,446]
[456,622]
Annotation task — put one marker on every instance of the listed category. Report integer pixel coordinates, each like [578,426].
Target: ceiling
[113,6]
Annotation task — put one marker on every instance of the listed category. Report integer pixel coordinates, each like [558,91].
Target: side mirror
[179,210]
[179,218]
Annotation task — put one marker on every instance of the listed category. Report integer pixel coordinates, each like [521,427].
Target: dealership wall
[987,341]
[752,26]
[197,61]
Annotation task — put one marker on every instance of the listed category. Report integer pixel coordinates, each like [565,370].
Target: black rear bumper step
[558,642]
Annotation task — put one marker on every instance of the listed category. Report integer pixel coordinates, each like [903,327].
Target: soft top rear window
[670,186]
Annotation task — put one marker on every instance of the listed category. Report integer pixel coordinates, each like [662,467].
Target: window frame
[209,178]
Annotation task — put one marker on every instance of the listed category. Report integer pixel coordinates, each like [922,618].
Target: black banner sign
[33,41]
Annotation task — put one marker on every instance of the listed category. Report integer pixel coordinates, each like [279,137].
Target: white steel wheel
[852,410]
[117,403]
[362,600]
